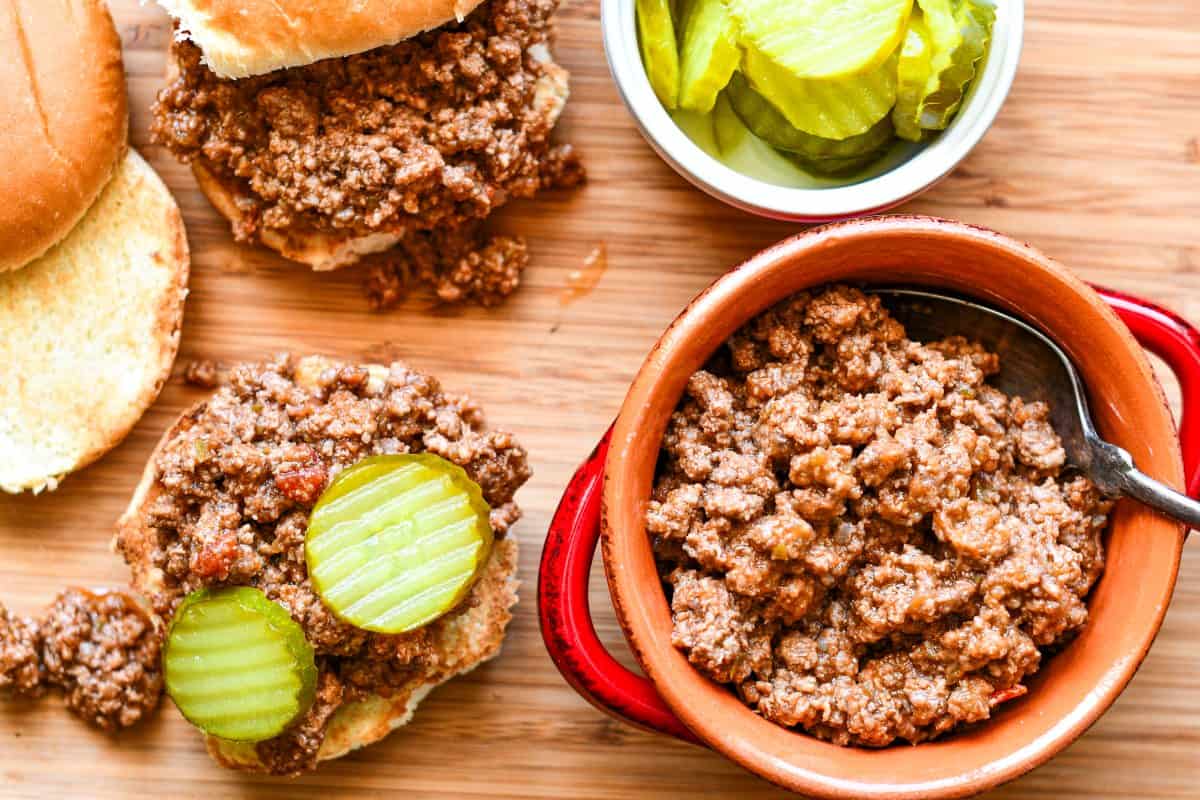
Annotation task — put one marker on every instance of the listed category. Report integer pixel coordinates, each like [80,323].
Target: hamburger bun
[88,332]
[64,126]
[325,251]
[241,38]
[468,640]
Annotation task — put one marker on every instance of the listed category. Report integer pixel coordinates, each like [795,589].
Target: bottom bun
[472,638]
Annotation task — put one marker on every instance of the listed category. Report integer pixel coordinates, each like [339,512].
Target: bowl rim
[933,162]
[619,501]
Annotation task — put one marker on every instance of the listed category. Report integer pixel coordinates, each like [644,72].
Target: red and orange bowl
[1104,333]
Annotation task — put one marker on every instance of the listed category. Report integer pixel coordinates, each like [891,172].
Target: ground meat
[20,643]
[296,750]
[459,263]
[236,483]
[426,134]
[203,373]
[102,650]
[859,534]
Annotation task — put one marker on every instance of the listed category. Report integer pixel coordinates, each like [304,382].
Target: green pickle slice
[728,129]
[708,55]
[660,54]
[913,71]
[237,665]
[397,541]
[766,122]
[960,31]
[832,109]
[823,39]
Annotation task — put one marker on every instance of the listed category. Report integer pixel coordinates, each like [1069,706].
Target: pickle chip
[832,109]
[660,54]
[959,32]
[766,122]
[913,72]
[708,55]
[823,39]
[237,665]
[396,541]
[729,130]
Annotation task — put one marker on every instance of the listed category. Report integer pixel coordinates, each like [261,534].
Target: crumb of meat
[20,643]
[103,651]
[859,534]
[427,134]
[295,750]
[203,373]
[460,264]
[235,487]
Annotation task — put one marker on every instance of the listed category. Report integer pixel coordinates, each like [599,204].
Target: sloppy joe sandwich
[64,124]
[326,543]
[329,132]
[89,331]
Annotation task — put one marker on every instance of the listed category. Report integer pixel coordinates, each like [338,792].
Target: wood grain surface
[1095,159]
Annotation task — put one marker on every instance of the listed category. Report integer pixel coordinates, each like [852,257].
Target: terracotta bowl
[1069,692]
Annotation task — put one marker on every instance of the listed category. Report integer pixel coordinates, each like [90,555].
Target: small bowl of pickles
[813,110]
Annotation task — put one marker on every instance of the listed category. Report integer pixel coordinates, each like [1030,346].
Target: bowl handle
[566,618]
[1176,342]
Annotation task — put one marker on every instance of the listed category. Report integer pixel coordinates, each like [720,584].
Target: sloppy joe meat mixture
[429,134]
[235,486]
[100,648]
[859,534]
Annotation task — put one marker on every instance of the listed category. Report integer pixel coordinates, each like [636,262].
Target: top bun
[240,38]
[63,120]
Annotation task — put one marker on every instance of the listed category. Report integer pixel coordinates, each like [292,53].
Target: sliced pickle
[960,32]
[728,128]
[660,54]
[831,109]
[770,125]
[833,166]
[237,665]
[709,53]
[397,541]
[823,39]
[914,71]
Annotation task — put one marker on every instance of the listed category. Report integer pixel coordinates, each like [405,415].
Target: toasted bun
[64,123]
[88,332]
[326,251]
[465,642]
[240,38]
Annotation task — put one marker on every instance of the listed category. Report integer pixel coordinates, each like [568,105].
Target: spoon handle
[1160,497]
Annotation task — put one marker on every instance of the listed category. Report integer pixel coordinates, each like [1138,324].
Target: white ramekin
[925,166]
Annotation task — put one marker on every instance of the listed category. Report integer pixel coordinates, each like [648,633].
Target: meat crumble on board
[859,534]
[100,648]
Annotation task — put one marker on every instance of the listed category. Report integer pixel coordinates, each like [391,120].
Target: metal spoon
[1035,368]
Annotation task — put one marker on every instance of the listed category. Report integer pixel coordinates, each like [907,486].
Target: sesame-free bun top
[63,119]
[240,38]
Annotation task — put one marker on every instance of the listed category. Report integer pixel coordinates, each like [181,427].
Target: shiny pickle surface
[396,541]
[823,39]
[708,54]
[659,48]
[237,665]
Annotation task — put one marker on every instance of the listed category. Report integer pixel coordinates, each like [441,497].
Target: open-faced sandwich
[328,131]
[326,542]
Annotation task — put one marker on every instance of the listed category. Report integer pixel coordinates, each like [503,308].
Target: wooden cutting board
[1095,159]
